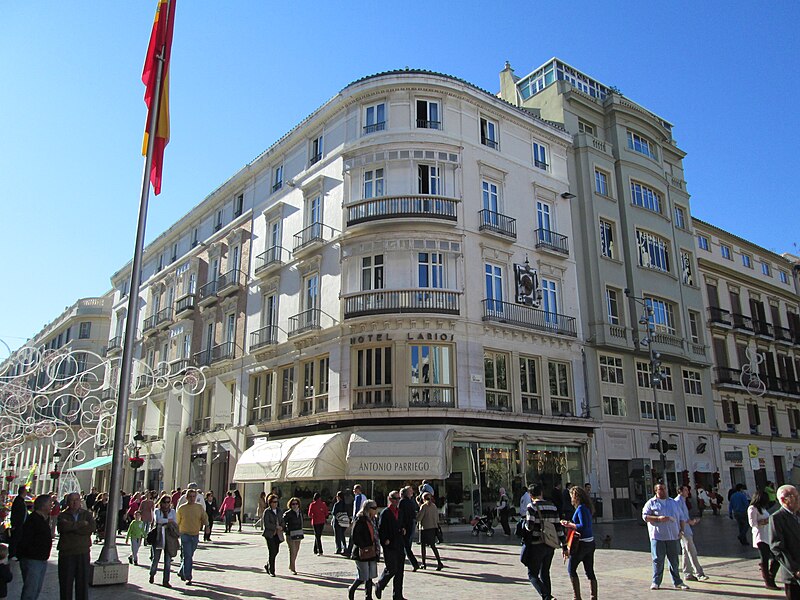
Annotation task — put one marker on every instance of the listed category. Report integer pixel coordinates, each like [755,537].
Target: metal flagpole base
[115,573]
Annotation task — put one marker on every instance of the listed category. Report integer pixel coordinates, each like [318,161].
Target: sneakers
[654,586]
[681,586]
[690,578]
[702,577]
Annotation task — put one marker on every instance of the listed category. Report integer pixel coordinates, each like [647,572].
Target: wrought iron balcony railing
[742,321]
[266,336]
[547,238]
[380,126]
[431,397]
[313,234]
[425,124]
[526,316]
[402,207]
[420,300]
[308,320]
[497,223]
[184,304]
[274,256]
[719,316]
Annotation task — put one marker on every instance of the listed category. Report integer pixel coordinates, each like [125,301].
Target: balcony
[308,320]
[425,124]
[431,397]
[266,336]
[494,222]
[783,334]
[420,300]
[531,318]
[719,317]
[314,159]
[498,402]
[531,405]
[176,367]
[379,126]
[185,305]
[274,258]
[229,283]
[276,186]
[314,406]
[208,293]
[159,320]
[374,397]
[781,385]
[550,240]
[668,339]
[762,328]
[114,345]
[728,376]
[149,324]
[402,207]
[742,322]
[493,144]
[314,235]
[220,352]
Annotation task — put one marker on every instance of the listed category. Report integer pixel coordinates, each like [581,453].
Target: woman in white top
[164,514]
[758,517]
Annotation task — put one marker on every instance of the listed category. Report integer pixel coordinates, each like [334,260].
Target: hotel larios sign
[428,336]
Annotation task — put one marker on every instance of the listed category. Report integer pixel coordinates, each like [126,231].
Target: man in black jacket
[408,522]
[390,533]
[34,547]
[784,537]
[19,512]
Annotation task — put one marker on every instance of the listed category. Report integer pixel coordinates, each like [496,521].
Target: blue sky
[244,73]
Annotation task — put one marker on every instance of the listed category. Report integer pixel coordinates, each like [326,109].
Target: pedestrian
[664,527]
[341,521]
[367,549]
[293,526]
[582,551]
[54,512]
[122,521]
[176,495]
[784,539]
[692,571]
[164,539]
[90,498]
[147,507]
[182,500]
[262,506]
[703,500]
[100,509]
[34,548]
[566,500]
[503,505]
[237,508]
[135,535]
[557,497]
[542,534]
[75,528]
[393,547]
[758,518]
[19,512]
[428,519]
[5,572]
[737,510]
[358,499]
[426,486]
[226,509]
[769,490]
[212,512]
[192,518]
[271,521]
[133,506]
[408,522]
[524,502]
[318,513]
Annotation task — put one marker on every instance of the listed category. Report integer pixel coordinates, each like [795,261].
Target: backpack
[549,533]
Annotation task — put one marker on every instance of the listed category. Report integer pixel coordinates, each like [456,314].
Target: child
[5,572]
[135,535]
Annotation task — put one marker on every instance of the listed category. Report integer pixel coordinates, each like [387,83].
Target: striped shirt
[539,511]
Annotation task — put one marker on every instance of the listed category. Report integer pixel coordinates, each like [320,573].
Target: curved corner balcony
[402,207]
[531,318]
[382,302]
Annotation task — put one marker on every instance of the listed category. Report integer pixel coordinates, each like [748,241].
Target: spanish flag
[160,45]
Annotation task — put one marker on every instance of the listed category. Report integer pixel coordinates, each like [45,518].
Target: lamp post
[656,376]
[56,472]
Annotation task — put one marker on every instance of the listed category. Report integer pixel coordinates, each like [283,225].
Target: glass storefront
[549,465]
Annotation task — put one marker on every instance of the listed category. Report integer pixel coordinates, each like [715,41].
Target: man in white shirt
[182,500]
[358,501]
[523,504]
[692,570]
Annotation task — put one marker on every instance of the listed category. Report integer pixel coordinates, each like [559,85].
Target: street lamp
[656,375]
[56,472]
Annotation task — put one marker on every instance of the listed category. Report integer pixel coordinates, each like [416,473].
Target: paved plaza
[476,568]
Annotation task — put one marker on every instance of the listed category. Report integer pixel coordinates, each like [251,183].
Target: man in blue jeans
[192,518]
[664,524]
[737,509]
[34,547]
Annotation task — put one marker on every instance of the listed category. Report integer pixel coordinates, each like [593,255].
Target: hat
[193,486]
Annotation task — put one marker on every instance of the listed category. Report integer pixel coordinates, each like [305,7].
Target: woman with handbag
[293,526]
[273,531]
[366,548]
[428,519]
[163,539]
[340,522]
[582,549]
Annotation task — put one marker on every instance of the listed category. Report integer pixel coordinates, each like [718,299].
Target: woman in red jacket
[226,510]
[318,513]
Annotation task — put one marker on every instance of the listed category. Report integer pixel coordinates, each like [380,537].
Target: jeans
[582,553]
[669,549]
[341,542]
[538,560]
[744,526]
[691,564]
[135,545]
[273,546]
[32,576]
[154,565]
[73,573]
[189,545]
[318,537]
[394,559]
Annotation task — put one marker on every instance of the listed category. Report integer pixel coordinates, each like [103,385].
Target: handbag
[368,553]
[152,536]
[439,535]
[296,534]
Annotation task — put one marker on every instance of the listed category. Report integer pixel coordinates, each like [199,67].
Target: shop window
[431,376]
[561,402]
[495,368]
[373,377]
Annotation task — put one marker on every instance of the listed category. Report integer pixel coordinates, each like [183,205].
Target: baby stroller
[482,524]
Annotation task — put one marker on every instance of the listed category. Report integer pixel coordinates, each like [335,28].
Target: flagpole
[108,554]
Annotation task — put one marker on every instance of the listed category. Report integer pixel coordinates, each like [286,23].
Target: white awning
[399,454]
[265,461]
[318,457]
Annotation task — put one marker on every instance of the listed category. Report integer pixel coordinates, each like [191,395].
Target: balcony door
[550,302]
[209,336]
[543,222]
[491,203]
[310,301]
[493,275]
[314,217]
[230,332]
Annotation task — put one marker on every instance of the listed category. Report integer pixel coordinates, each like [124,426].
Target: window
[663,316]
[726,252]
[260,397]
[489,133]
[372,272]
[67,335]
[766,269]
[695,414]
[560,392]
[614,406]
[540,156]
[666,410]
[429,180]
[653,252]
[315,151]
[287,392]
[747,261]
[374,118]
[160,262]
[202,410]
[600,183]
[702,242]
[373,377]
[430,269]
[694,326]
[277,178]
[611,369]
[646,197]
[612,306]
[238,205]
[607,239]
[753,417]
[584,127]
[493,275]
[269,313]
[174,252]
[730,413]
[491,199]
[691,383]
[194,237]
[311,292]
[428,115]
[641,145]
[529,385]
[315,386]
[495,370]
[773,420]
[687,268]
[186,348]
[431,376]
[783,276]
[550,301]
[794,421]
[680,218]
[217,227]
[85,330]
[373,183]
